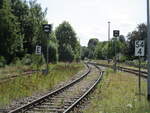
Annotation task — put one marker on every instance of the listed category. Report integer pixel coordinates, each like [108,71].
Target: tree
[11,40]
[53,52]
[33,26]
[53,48]
[77,52]
[122,39]
[139,34]
[67,39]
[84,52]
[91,46]
[92,43]
[68,53]
[30,18]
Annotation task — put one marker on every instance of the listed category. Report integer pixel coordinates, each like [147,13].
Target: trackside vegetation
[118,93]
[28,85]
[21,30]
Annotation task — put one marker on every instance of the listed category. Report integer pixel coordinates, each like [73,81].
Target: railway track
[26,73]
[129,70]
[65,99]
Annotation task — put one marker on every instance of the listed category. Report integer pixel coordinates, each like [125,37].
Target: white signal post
[148,50]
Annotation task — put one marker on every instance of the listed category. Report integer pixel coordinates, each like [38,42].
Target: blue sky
[89,18]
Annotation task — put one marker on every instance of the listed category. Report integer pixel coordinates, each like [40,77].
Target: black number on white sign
[140,51]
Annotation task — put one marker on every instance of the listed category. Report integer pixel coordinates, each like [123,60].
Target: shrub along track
[65,99]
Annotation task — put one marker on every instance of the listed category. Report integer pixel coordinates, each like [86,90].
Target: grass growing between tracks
[117,93]
[29,85]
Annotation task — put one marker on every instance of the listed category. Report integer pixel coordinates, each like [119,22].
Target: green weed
[28,85]
[118,93]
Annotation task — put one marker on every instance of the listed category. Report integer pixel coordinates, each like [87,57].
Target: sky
[89,18]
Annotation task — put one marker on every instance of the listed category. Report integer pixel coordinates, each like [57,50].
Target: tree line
[21,30]
[125,47]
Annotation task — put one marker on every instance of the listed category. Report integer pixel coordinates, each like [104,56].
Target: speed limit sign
[139,48]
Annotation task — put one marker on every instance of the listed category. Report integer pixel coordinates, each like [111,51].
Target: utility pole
[108,40]
[148,50]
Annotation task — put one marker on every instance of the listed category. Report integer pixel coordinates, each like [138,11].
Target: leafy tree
[93,42]
[52,47]
[68,53]
[98,50]
[11,41]
[78,52]
[84,52]
[33,27]
[2,61]
[122,39]
[91,47]
[31,18]
[67,39]
[53,52]
[139,34]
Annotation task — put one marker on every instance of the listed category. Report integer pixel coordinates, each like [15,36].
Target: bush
[2,61]
[33,59]
[38,59]
[16,61]
[122,59]
[77,58]
[27,59]
[53,52]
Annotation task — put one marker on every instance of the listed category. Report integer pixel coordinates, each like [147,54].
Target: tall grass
[118,93]
[10,70]
[28,85]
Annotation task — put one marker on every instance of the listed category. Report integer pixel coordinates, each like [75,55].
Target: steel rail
[129,70]
[12,77]
[51,94]
[77,102]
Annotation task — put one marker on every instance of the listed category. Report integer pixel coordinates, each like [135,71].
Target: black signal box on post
[47,28]
[116,33]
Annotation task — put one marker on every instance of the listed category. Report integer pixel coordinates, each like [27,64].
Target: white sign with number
[139,48]
[38,50]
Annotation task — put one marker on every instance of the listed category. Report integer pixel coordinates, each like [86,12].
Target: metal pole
[108,39]
[115,54]
[148,50]
[47,55]
[139,77]
[115,62]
